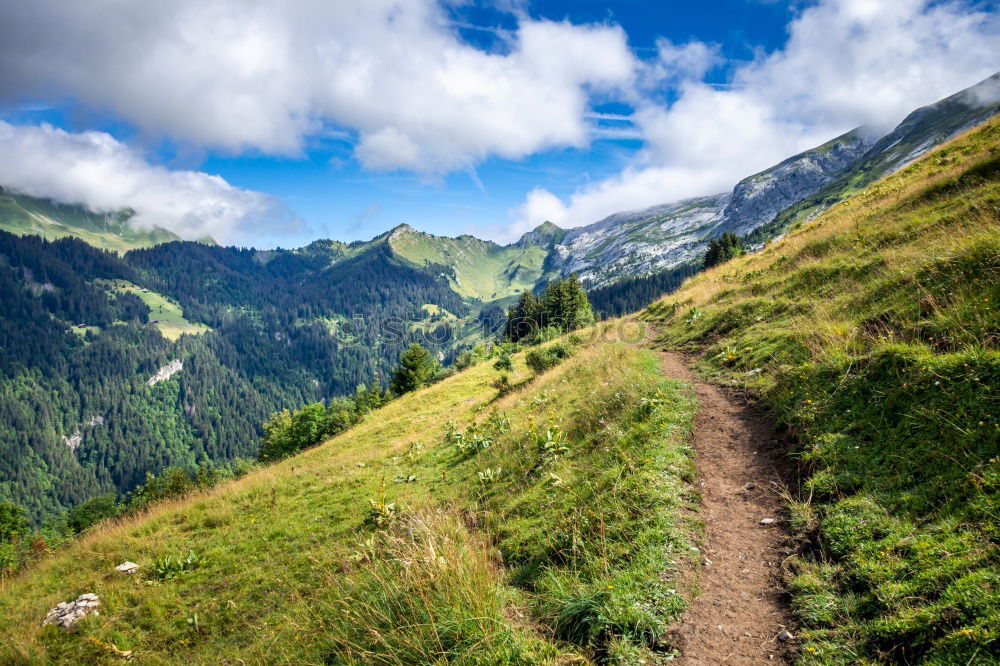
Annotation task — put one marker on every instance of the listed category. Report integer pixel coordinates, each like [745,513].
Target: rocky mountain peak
[546,235]
[401,230]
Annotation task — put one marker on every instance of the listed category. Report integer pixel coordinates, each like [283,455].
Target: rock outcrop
[166,372]
[68,613]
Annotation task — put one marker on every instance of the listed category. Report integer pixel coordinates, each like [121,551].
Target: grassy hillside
[549,532]
[922,129]
[22,215]
[874,334]
[165,314]
[482,270]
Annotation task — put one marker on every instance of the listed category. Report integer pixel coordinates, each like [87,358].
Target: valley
[423,449]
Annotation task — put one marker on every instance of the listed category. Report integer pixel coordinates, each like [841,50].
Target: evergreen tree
[416,368]
[13,522]
[563,307]
[524,318]
[724,248]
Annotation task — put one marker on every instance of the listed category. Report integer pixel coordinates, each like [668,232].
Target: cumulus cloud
[846,63]
[260,75]
[103,174]
[683,61]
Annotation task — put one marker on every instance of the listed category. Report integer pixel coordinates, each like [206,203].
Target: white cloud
[96,170]
[846,63]
[684,61]
[259,75]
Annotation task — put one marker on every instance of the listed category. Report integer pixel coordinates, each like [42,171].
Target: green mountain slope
[872,333]
[486,548]
[21,214]
[480,269]
[84,330]
[919,132]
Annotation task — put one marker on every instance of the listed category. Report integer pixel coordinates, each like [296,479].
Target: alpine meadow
[510,333]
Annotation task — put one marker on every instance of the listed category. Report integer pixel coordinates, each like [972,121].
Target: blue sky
[342,200]
[271,125]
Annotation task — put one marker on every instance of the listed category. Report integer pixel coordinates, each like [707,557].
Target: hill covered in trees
[80,345]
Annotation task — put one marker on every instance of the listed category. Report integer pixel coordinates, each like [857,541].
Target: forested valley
[88,402]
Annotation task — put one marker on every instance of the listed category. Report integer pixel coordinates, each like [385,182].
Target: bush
[93,510]
[504,362]
[13,521]
[8,560]
[502,385]
[540,360]
[471,357]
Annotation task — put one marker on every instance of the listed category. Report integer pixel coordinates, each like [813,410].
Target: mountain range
[622,246]
[586,500]
[99,308]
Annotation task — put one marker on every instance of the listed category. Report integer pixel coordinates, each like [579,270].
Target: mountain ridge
[457,522]
[639,243]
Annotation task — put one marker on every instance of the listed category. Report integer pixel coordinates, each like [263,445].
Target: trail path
[741,608]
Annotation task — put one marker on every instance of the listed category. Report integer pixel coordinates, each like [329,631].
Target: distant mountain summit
[764,205]
[114,230]
[923,129]
[546,235]
[626,245]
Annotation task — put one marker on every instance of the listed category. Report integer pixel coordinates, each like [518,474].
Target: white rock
[166,372]
[67,613]
[767,521]
[127,567]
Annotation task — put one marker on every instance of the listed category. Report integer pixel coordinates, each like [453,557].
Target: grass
[25,215]
[555,539]
[872,334]
[167,314]
[481,270]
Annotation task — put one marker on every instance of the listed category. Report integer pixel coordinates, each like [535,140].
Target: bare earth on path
[742,606]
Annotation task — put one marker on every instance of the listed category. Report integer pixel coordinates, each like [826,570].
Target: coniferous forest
[78,417]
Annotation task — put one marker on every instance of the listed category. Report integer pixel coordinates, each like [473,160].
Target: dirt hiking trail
[741,609]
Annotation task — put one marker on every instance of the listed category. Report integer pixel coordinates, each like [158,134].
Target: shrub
[471,357]
[540,360]
[92,511]
[504,362]
[9,561]
[13,521]
[502,385]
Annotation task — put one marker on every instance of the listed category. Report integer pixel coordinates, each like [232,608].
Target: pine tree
[417,367]
[564,306]
[524,318]
[724,248]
